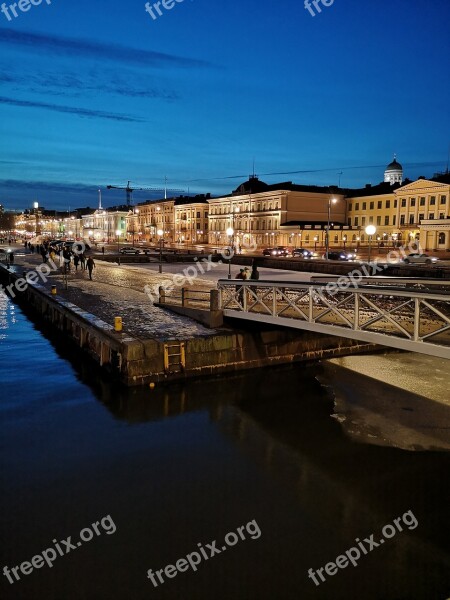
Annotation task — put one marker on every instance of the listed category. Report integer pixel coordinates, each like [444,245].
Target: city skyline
[95,95]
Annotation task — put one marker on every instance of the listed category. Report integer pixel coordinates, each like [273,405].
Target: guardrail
[403,318]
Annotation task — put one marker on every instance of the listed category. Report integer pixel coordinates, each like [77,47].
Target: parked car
[421,259]
[339,255]
[277,251]
[129,250]
[302,253]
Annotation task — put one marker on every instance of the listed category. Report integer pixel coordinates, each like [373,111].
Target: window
[422,201]
[372,205]
[198,226]
[356,221]
[336,239]
[411,219]
[388,204]
[354,237]
[363,221]
[394,218]
[431,216]
[421,217]
[357,206]
[395,203]
[403,202]
[442,215]
[307,238]
[441,238]
[206,214]
[380,204]
[402,219]
[433,200]
[413,202]
[349,207]
[364,206]
[386,220]
[378,220]
[349,221]
[443,199]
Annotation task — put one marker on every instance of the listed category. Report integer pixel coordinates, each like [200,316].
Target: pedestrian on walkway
[90,264]
[103,250]
[76,261]
[83,261]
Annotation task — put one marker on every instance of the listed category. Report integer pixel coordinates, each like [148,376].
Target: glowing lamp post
[160,232]
[230,234]
[327,238]
[370,230]
[118,232]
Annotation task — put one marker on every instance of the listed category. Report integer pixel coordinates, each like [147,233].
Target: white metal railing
[404,318]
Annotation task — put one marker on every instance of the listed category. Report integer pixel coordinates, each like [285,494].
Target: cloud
[82,112]
[91,49]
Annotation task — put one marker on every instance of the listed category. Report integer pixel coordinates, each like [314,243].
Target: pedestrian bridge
[412,315]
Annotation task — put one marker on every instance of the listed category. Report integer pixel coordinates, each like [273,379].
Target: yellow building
[416,210]
[276,215]
[182,220]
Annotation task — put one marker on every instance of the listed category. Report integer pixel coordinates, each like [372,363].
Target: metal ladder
[174,357]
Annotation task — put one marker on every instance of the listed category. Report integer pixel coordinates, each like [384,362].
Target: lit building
[182,220]
[277,215]
[102,225]
[394,172]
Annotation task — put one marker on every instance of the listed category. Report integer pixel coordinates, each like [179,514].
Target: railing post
[214,300]
[416,319]
[184,296]
[311,304]
[244,298]
[356,311]
[274,301]
[162,295]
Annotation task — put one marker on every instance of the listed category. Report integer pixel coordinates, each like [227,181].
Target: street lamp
[118,232]
[230,234]
[370,230]
[160,232]
[327,239]
[316,239]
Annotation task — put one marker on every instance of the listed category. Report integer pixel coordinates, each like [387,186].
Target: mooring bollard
[117,323]
[54,290]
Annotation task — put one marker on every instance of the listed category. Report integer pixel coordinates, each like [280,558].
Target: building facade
[274,215]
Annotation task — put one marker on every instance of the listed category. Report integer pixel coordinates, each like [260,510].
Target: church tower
[394,172]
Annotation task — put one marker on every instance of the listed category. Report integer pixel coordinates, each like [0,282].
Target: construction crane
[129,190]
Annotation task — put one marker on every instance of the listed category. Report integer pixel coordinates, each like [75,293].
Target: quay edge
[135,361]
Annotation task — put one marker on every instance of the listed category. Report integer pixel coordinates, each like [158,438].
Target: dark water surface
[186,464]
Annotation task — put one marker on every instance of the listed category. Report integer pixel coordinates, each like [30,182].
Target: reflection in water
[186,463]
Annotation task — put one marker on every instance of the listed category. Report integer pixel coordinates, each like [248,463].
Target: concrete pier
[171,346]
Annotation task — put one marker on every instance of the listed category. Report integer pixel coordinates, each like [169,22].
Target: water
[178,466]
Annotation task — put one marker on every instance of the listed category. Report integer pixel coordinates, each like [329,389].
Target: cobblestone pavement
[119,292]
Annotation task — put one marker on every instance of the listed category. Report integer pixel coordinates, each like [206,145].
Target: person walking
[103,250]
[240,288]
[255,273]
[76,261]
[90,264]
[83,261]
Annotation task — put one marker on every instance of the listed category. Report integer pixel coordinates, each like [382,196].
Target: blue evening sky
[96,92]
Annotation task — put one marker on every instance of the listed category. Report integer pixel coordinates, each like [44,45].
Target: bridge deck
[393,315]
